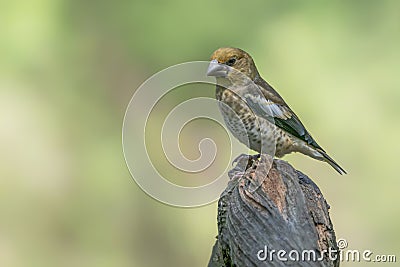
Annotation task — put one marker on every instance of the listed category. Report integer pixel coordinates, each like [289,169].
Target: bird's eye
[231,61]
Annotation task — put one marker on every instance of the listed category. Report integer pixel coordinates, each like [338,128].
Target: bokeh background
[69,68]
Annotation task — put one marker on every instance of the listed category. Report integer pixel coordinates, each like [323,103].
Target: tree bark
[286,212]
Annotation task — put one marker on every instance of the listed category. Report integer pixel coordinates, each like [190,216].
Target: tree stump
[287,212]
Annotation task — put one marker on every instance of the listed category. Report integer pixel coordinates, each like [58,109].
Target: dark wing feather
[295,127]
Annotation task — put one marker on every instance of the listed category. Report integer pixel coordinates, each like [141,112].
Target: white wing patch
[264,107]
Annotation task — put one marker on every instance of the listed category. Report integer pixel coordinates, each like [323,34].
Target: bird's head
[226,58]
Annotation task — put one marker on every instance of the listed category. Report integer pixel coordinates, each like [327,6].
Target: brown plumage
[255,113]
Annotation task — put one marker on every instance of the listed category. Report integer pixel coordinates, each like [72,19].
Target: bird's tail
[332,162]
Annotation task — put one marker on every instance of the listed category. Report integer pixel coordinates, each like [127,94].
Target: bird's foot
[243,162]
[260,171]
[249,158]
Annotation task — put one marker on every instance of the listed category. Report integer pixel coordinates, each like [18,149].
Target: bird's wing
[275,108]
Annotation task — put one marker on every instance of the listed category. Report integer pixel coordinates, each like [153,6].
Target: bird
[254,111]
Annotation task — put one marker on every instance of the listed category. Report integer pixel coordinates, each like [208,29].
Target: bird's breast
[254,132]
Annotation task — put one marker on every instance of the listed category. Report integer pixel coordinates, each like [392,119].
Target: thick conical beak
[216,69]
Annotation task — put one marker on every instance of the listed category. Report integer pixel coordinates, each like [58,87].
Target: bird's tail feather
[331,162]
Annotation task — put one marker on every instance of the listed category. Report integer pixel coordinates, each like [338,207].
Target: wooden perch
[287,212]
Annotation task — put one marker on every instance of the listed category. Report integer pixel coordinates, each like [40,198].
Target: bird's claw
[239,158]
[245,156]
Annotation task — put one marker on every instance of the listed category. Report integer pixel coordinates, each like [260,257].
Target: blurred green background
[69,68]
